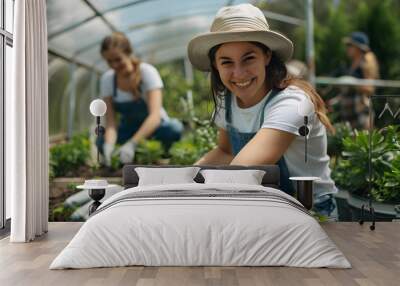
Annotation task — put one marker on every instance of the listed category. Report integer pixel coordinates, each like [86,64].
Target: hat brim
[200,46]
[363,47]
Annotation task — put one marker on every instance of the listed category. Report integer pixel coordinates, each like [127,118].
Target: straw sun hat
[240,23]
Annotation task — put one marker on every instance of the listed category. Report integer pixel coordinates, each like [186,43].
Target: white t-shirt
[150,80]
[282,113]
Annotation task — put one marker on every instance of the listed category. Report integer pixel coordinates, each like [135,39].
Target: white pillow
[164,176]
[249,177]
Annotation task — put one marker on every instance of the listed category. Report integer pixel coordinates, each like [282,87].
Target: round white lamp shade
[98,107]
[305,107]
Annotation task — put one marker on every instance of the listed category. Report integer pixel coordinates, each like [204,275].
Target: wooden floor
[375,256]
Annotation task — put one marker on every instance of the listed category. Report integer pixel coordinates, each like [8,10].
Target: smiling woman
[133,89]
[257,103]
[241,67]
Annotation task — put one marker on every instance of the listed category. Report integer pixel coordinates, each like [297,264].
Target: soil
[88,172]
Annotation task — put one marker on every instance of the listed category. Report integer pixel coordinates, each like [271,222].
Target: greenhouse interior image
[202,142]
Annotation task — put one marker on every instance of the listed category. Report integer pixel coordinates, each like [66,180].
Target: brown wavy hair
[370,65]
[120,41]
[277,78]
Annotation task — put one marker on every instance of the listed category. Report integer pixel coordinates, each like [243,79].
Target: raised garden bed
[349,208]
[63,187]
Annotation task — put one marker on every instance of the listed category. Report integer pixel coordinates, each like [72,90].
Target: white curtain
[27,124]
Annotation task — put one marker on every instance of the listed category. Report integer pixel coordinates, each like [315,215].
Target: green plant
[149,152]
[71,186]
[175,86]
[175,92]
[115,161]
[195,144]
[388,189]
[319,217]
[352,171]
[335,141]
[183,152]
[205,136]
[68,157]
[62,213]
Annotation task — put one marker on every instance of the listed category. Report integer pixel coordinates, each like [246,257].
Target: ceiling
[159,30]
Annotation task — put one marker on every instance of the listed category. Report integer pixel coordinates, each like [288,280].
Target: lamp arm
[97,134]
[100,131]
[305,138]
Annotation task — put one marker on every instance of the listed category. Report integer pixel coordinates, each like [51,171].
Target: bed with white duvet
[194,224]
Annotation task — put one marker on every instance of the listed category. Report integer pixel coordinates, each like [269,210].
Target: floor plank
[374,255]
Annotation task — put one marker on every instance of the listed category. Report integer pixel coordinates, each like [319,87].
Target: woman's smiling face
[118,60]
[241,66]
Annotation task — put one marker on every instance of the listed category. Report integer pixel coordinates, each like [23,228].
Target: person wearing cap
[257,103]
[353,102]
[133,90]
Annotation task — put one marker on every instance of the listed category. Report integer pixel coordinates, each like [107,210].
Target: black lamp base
[96,195]
[305,193]
[304,190]
[371,210]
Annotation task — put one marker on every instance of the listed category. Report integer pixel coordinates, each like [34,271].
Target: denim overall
[133,114]
[239,139]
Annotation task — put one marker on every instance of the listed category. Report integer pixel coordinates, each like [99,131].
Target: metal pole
[370,130]
[310,41]
[72,99]
[93,85]
[189,79]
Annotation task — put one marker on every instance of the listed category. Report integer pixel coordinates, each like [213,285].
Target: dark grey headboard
[130,178]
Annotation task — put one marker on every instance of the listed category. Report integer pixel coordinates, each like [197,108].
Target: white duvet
[206,230]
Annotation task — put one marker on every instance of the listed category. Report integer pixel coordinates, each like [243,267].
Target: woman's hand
[107,151]
[127,152]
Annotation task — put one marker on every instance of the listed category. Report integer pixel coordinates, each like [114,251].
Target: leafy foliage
[175,92]
[67,157]
[184,152]
[335,141]
[194,145]
[380,20]
[149,152]
[389,184]
[352,171]
[319,217]
[62,213]
[175,87]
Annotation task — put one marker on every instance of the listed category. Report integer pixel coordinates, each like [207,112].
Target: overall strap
[114,95]
[114,85]
[228,111]
[274,92]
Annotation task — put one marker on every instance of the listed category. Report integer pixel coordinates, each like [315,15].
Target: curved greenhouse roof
[158,29]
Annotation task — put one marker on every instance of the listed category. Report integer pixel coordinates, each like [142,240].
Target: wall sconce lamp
[305,109]
[96,187]
[98,108]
